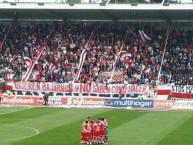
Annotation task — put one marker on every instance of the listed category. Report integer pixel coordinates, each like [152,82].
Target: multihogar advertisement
[133,103]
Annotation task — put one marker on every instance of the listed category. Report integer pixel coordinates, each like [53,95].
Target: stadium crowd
[65,42]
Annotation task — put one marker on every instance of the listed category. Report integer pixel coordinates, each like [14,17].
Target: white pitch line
[37,132]
[15,111]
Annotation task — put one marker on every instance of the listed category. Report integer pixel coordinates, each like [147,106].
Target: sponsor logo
[108,102]
[163,104]
[129,103]
[173,104]
[18,100]
[84,101]
[55,101]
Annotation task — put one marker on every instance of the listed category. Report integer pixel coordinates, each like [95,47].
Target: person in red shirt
[102,131]
[96,132]
[83,138]
[120,93]
[91,126]
[88,132]
[104,120]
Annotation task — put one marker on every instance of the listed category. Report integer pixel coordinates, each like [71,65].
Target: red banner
[182,95]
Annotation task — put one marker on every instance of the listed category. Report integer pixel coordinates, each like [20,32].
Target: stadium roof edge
[124,12]
[55,6]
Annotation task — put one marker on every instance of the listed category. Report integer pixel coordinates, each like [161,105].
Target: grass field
[59,126]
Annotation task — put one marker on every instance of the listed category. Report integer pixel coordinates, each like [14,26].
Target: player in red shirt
[83,138]
[102,131]
[106,129]
[88,131]
[91,125]
[96,132]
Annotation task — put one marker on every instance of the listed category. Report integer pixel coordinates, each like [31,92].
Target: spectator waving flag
[52,67]
[81,62]
[82,57]
[144,36]
[124,55]
[117,57]
[28,62]
[26,76]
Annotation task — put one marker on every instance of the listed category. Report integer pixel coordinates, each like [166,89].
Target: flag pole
[83,56]
[165,46]
[6,35]
[33,64]
[115,62]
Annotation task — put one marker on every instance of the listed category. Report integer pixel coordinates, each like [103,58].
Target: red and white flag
[124,55]
[52,67]
[117,57]
[28,60]
[163,92]
[144,36]
[81,62]
[29,64]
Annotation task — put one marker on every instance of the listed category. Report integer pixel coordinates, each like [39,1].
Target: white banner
[115,75]
[182,89]
[79,88]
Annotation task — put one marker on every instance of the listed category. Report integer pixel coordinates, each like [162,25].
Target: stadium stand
[59,63]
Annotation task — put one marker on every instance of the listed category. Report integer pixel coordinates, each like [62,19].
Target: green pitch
[59,126]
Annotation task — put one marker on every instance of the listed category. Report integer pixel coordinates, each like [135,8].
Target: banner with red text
[80,88]
[182,91]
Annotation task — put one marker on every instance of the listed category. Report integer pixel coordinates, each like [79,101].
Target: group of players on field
[94,132]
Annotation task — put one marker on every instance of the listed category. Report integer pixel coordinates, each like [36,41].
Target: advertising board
[133,103]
